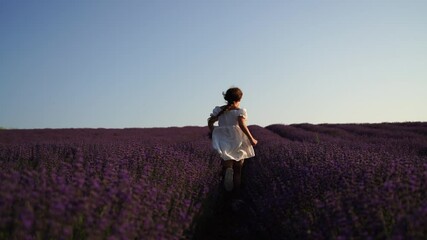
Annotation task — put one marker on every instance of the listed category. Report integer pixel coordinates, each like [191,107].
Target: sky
[147,63]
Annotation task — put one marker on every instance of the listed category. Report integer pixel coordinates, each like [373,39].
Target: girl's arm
[213,119]
[245,129]
[211,122]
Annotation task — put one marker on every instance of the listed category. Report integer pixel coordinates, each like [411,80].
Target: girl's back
[230,117]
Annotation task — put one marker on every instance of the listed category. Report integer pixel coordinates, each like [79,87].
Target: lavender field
[328,181]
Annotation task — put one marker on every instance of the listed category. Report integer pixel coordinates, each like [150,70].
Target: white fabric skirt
[231,143]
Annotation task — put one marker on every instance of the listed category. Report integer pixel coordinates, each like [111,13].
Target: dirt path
[233,217]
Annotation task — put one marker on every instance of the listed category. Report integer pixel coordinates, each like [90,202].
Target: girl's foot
[228,179]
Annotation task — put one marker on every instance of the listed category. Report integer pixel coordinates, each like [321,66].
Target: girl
[231,138]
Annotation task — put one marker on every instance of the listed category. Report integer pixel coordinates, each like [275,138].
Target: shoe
[228,179]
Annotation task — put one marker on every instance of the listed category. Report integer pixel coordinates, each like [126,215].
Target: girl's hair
[231,95]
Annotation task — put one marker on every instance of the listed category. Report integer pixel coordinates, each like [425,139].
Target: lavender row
[125,186]
[332,189]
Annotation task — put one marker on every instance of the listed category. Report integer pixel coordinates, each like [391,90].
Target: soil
[232,216]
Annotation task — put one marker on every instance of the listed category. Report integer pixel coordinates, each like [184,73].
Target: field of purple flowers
[328,181]
[342,181]
[100,183]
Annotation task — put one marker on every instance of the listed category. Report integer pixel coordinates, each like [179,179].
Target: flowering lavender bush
[98,184]
[327,181]
[373,186]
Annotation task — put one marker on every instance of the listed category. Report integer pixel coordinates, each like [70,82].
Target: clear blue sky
[115,64]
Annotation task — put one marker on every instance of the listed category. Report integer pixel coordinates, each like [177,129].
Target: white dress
[228,139]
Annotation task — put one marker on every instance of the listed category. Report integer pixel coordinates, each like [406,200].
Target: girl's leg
[227,164]
[237,166]
[228,176]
